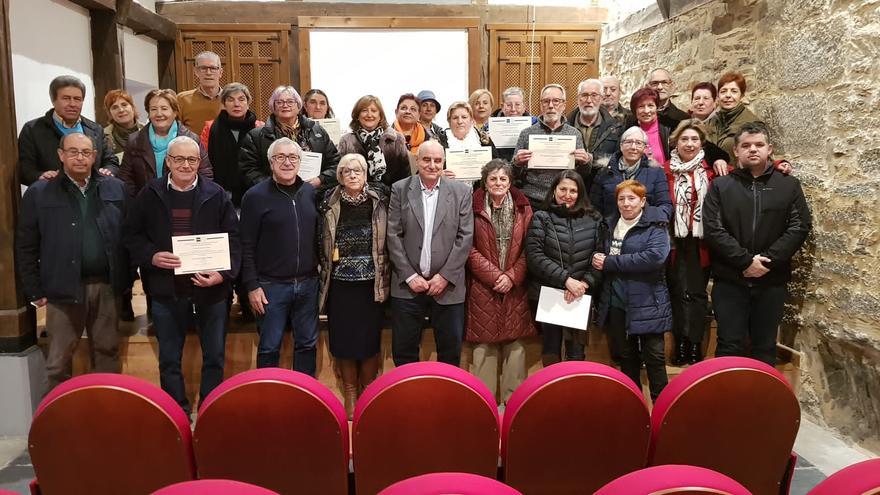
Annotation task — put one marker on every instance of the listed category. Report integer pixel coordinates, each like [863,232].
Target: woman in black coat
[560,244]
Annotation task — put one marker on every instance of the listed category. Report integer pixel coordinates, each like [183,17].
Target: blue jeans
[295,303]
[407,321]
[171,319]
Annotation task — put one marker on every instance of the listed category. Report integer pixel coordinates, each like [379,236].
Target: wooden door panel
[519,64]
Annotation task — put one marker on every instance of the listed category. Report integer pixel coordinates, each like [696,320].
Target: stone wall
[813,74]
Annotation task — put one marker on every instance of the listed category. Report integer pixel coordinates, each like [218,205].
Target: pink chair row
[213,487]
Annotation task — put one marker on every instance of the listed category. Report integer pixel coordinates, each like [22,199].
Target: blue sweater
[278,233]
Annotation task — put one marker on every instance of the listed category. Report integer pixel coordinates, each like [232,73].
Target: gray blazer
[451,241]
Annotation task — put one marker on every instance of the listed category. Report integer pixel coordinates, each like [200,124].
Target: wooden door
[520,64]
[253,54]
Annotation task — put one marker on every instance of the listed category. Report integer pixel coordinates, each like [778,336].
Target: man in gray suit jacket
[431,211]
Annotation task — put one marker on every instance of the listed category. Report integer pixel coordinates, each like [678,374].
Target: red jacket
[491,316]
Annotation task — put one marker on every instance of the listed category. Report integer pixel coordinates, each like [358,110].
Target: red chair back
[572,427]
[213,487]
[737,416]
[673,480]
[422,418]
[107,434]
[274,428]
[445,483]
[862,478]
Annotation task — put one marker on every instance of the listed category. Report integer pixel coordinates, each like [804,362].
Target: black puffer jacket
[560,245]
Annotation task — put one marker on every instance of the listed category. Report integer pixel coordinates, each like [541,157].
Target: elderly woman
[644,104]
[634,307]
[144,157]
[498,314]
[222,137]
[355,274]
[462,133]
[689,177]
[703,96]
[631,163]
[512,105]
[407,122]
[285,121]
[428,108]
[561,241]
[383,148]
[123,120]
[317,105]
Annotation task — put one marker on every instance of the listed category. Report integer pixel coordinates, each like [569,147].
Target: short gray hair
[346,159]
[513,91]
[553,85]
[62,82]
[281,142]
[591,81]
[184,140]
[208,54]
[281,90]
[634,130]
[235,87]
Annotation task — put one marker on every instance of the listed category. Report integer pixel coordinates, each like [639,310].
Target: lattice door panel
[570,60]
[519,65]
[258,62]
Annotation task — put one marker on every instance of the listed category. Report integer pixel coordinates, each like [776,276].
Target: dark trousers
[687,289]
[748,313]
[633,350]
[574,342]
[407,318]
[171,319]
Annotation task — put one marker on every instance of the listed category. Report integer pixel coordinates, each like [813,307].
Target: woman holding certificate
[498,313]
[561,241]
[355,274]
[634,307]
[383,148]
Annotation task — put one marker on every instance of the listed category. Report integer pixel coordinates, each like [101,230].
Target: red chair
[445,483]
[862,478]
[213,487]
[673,480]
[733,415]
[108,434]
[572,427]
[423,418]
[274,428]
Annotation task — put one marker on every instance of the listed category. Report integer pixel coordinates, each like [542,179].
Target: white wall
[48,38]
[141,62]
[150,4]
[348,64]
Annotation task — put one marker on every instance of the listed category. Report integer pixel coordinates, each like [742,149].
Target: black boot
[682,352]
[126,313]
[695,353]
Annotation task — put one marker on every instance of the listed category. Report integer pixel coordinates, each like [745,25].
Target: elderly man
[755,220]
[667,113]
[178,205]
[70,257]
[430,232]
[611,99]
[279,218]
[536,183]
[600,131]
[203,103]
[38,141]
[703,96]
[428,108]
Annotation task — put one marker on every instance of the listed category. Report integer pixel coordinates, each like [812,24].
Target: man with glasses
[667,113]
[611,99]
[600,131]
[181,204]
[203,103]
[69,257]
[38,141]
[536,182]
[279,219]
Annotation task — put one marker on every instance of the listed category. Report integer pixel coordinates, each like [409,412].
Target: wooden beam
[106,59]
[167,67]
[389,22]
[144,21]
[96,4]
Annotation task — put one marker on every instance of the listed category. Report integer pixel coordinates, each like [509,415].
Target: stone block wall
[813,71]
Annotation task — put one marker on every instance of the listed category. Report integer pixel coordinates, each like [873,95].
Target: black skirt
[354,319]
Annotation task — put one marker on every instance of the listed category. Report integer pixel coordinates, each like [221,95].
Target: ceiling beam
[96,4]
[144,21]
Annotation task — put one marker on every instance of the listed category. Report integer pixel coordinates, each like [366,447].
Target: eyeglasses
[280,159]
[208,68]
[178,160]
[73,153]
[634,143]
[552,101]
[664,82]
[285,103]
[356,172]
[592,96]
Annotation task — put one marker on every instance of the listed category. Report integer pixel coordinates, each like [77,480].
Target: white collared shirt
[429,202]
[186,189]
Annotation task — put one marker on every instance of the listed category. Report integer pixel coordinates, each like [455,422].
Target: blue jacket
[48,240]
[641,267]
[652,176]
[148,230]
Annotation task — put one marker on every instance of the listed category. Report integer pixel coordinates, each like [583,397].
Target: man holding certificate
[183,209]
[548,146]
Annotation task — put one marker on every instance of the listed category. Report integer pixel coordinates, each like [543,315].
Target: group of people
[656,197]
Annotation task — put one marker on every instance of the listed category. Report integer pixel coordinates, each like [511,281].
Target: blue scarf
[160,146]
[67,130]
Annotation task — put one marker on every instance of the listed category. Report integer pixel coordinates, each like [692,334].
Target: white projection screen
[350,63]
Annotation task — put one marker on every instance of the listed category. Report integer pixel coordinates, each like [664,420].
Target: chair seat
[673,480]
[446,483]
[862,478]
[213,487]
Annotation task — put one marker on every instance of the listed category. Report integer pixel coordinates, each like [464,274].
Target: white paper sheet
[309,165]
[505,131]
[468,164]
[552,151]
[552,308]
[332,127]
[201,253]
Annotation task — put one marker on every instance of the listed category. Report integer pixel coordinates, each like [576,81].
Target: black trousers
[748,314]
[687,290]
[407,320]
[633,350]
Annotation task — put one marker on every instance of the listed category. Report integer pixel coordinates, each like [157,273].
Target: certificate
[552,151]
[468,164]
[201,253]
[505,131]
[309,165]
[332,128]
[553,309]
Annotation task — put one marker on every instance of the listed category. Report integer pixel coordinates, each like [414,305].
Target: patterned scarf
[354,200]
[502,220]
[296,132]
[375,158]
[628,171]
[690,184]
